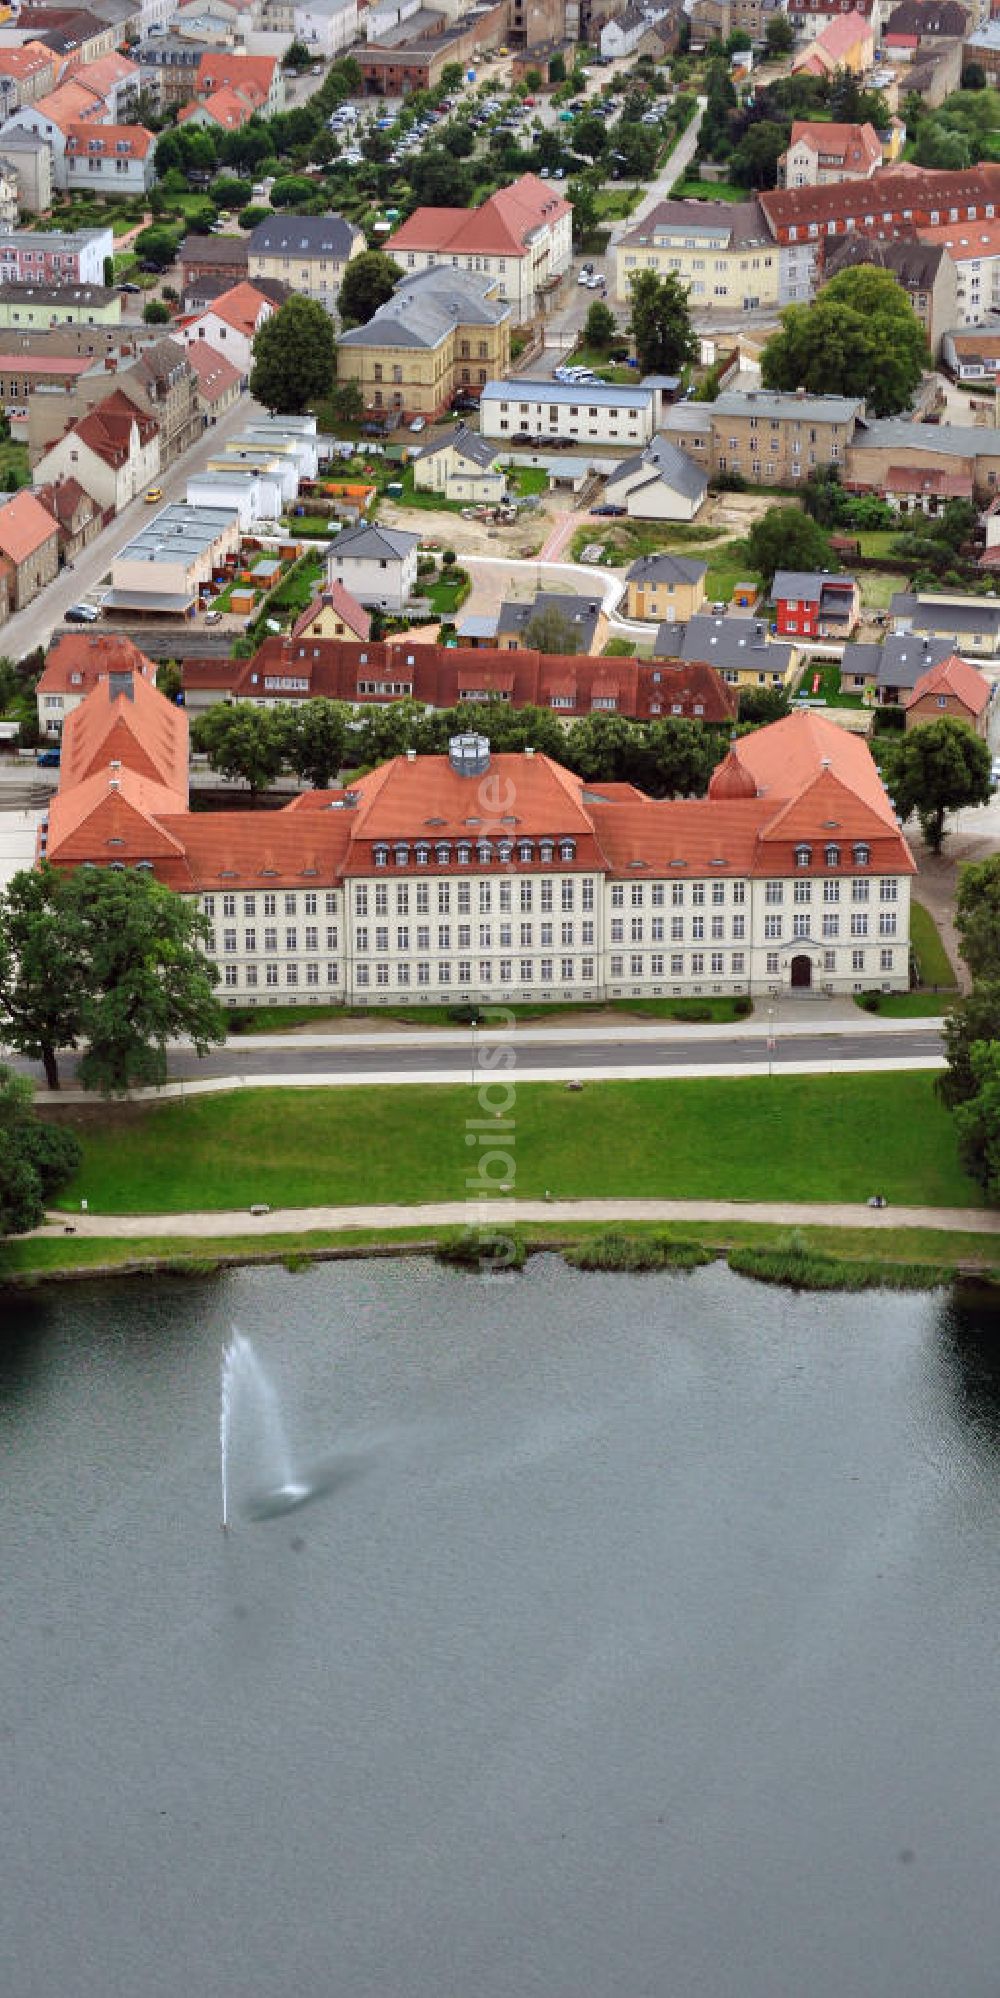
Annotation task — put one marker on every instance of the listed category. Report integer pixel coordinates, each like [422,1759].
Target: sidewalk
[494,1215]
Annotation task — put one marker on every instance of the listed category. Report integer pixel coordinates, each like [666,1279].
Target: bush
[870,1001]
[804,1269]
[632,1253]
[155,312]
[448,558]
[494,1250]
[742,1008]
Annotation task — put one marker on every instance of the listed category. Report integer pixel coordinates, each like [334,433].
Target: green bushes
[490,1252]
[803,1269]
[633,1253]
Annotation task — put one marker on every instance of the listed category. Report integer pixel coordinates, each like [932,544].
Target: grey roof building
[468,444]
[895,667]
[666,569]
[774,402]
[425,309]
[734,645]
[308,252]
[583,613]
[651,480]
[971,623]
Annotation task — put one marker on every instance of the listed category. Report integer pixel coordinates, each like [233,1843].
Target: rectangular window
[887,891]
[772,928]
[774,891]
[831,926]
[885,960]
[771,964]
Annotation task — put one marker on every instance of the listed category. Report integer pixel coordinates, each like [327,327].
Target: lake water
[647,1647]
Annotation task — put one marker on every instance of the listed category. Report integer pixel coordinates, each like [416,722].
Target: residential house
[925,271]
[667,588]
[325,27]
[889,672]
[934,72]
[217,382]
[846,43]
[820,155]
[309,253]
[335,613]
[77,516]
[168,70]
[75,256]
[972,354]
[441,332]
[26,73]
[54,117]
[659,483]
[746,889]
[983,48]
[68,31]
[378,565]
[583,616]
[254,494]
[76,663]
[230,325]
[738,648]
[109,159]
[815,606]
[721,251]
[29,549]
[28,160]
[463,467]
[225,110]
[622,34]
[39,307]
[892,456]
[161,570]
[115,79]
[113,452]
[954,689]
[914,22]
[767,436]
[260,76]
[974,250]
[971,624]
[522,237]
[600,413]
[214,256]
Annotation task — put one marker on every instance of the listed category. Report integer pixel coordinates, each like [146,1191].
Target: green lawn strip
[879,586]
[918,1005]
[274,1019]
[936,967]
[892,1249]
[782,1138]
[707,190]
[727,566]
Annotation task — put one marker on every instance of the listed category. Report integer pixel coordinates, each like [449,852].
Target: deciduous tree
[784,538]
[243,742]
[600,325]
[367,282]
[36,1158]
[936,769]
[293,357]
[977,917]
[315,741]
[974,1018]
[550,630]
[661,323]
[861,338]
[147,978]
[977,1118]
[41,967]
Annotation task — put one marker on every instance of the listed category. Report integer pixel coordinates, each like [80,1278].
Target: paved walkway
[500,1212]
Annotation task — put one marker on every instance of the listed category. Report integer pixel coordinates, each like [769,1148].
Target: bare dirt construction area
[439,528]
[733,514]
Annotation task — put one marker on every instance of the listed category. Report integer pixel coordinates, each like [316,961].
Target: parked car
[608,512]
[419,423]
[213,617]
[49,759]
[82,614]
[153,494]
[133,289]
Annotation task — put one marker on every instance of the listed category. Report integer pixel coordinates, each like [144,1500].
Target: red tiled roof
[928,479]
[503,226]
[138,730]
[892,190]
[63,498]
[953,676]
[854,145]
[111,426]
[240,307]
[232,109]
[45,364]
[79,659]
[216,375]
[346,607]
[71,104]
[26,61]
[221,68]
[108,141]
[24,527]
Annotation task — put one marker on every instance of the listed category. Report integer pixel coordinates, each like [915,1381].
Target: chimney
[529,750]
[411,756]
[114,776]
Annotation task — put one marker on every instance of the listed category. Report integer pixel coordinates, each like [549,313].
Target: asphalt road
[342,1058]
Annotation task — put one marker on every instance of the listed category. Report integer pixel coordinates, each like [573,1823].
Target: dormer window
[525,850]
[833,856]
[567,849]
[423,853]
[546,850]
[401,855]
[803,856]
[442,853]
[484,852]
[464,853]
[862,854]
[380,855]
[504,851]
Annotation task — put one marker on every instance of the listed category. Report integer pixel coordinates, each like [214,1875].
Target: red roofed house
[26,73]
[953,688]
[29,548]
[113,451]
[77,663]
[53,117]
[218,380]
[522,236]
[847,42]
[229,324]
[819,155]
[115,78]
[253,75]
[226,110]
[76,514]
[654,896]
[333,614]
[110,159]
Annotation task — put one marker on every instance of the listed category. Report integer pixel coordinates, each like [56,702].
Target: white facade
[326,30]
[255,496]
[113,174]
[112,486]
[622,35]
[543,932]
[374,574]
[232,341]
[601,415]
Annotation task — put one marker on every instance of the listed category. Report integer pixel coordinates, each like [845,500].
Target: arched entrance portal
[802,971]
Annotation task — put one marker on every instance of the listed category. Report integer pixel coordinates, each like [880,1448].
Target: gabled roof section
[112,815]
[242,307]
[79,659]
[505,225]
[346,607]
[125,721]
[955,677]
[24,527]
[784,759]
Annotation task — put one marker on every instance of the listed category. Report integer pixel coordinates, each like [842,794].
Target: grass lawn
[527,480]
[727,566]
[792,1138]
[446,596]
[13,458]
[707,190]
[623,540]
[275,1019]
[936,967]
[183,1254]
[879,586]
[411,495]
[613,204]
[829,686]
[919,1005]
[875,542]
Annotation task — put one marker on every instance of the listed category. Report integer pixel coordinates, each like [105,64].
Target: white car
[419,423]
